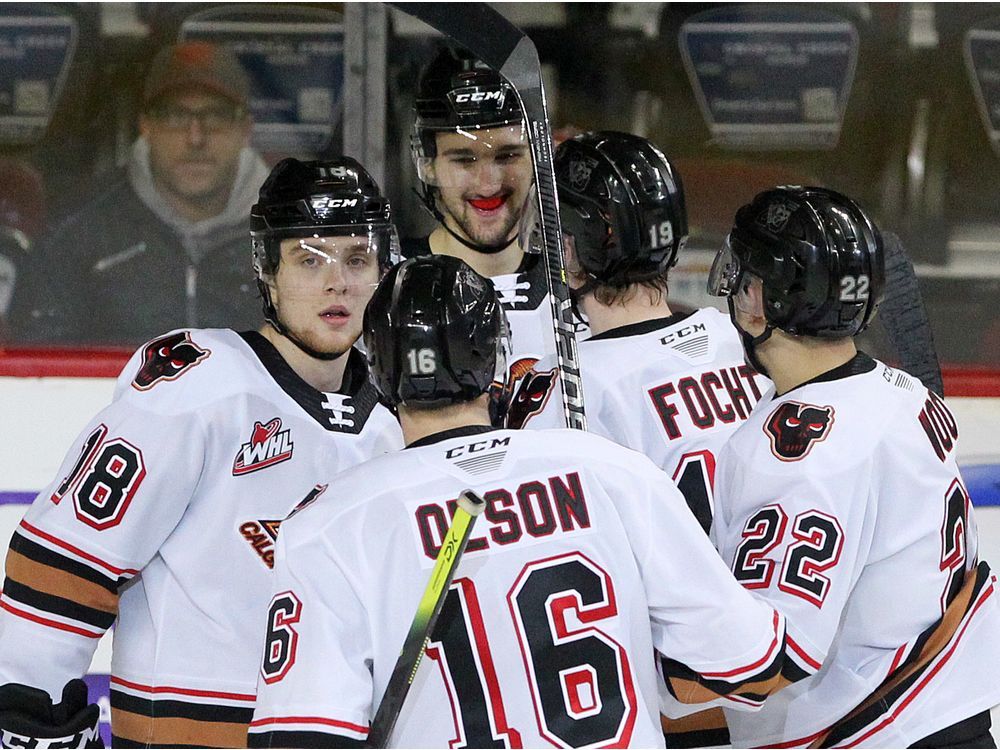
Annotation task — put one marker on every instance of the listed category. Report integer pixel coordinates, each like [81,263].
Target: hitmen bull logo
[794,428]
[579,171]
[777,215]
[531,390]
[167,358]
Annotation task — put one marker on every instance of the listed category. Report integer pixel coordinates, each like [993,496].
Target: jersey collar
[346,410]
[643,326]
[437,437]
[859,364]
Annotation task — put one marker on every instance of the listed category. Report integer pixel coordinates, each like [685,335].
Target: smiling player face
[483,178]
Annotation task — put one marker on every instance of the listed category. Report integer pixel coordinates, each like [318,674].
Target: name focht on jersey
[708,398]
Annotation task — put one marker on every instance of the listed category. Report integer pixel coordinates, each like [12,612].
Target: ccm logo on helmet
[480,96]
[495,96]
[325,202]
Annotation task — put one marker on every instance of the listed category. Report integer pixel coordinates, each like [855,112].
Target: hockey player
[840,499]
[473,160]
[163,516]
[673,386]
[585,560]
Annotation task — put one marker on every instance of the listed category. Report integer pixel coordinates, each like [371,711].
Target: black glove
[28,719]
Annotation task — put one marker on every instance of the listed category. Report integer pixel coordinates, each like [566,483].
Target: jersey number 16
[580,678]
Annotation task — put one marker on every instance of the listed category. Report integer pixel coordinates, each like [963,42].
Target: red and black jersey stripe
[929,652]
[50,583]
[162,716]
[19,593]
[34,551]
[177,709]
[306,731]
[301,739]
[704,729]
[750,683]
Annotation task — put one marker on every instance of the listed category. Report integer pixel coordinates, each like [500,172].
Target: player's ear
[429,175]
[571,262]
[272,286]
[569,251]
[749,299]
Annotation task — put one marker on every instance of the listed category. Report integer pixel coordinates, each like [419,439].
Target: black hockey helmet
[818,255]
[317,198]
[623,203]
[456,90]
[459,93]
[435,333]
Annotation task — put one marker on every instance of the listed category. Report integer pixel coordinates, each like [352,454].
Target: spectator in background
[162,244]
[22,211]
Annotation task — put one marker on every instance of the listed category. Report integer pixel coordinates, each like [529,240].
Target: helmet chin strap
[750,342]
[499,402]
[484,249]
[576,297]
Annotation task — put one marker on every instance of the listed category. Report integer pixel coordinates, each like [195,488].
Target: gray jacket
[121,269]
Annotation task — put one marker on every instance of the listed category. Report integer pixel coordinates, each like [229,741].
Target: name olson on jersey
[533,511]
[714,396]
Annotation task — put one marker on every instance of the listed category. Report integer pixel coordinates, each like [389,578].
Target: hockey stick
[904,317]
[470,505]
[505,48]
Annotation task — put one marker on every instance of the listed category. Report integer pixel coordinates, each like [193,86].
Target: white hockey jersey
[672,388]
[164,514]
[842,504]
[584,560]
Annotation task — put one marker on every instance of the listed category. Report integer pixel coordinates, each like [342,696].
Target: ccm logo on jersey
[477,447]
[167,358]
[794,428]
[269,445]
[88,737]
[683,332]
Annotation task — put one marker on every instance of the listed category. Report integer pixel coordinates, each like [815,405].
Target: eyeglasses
[211,119]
